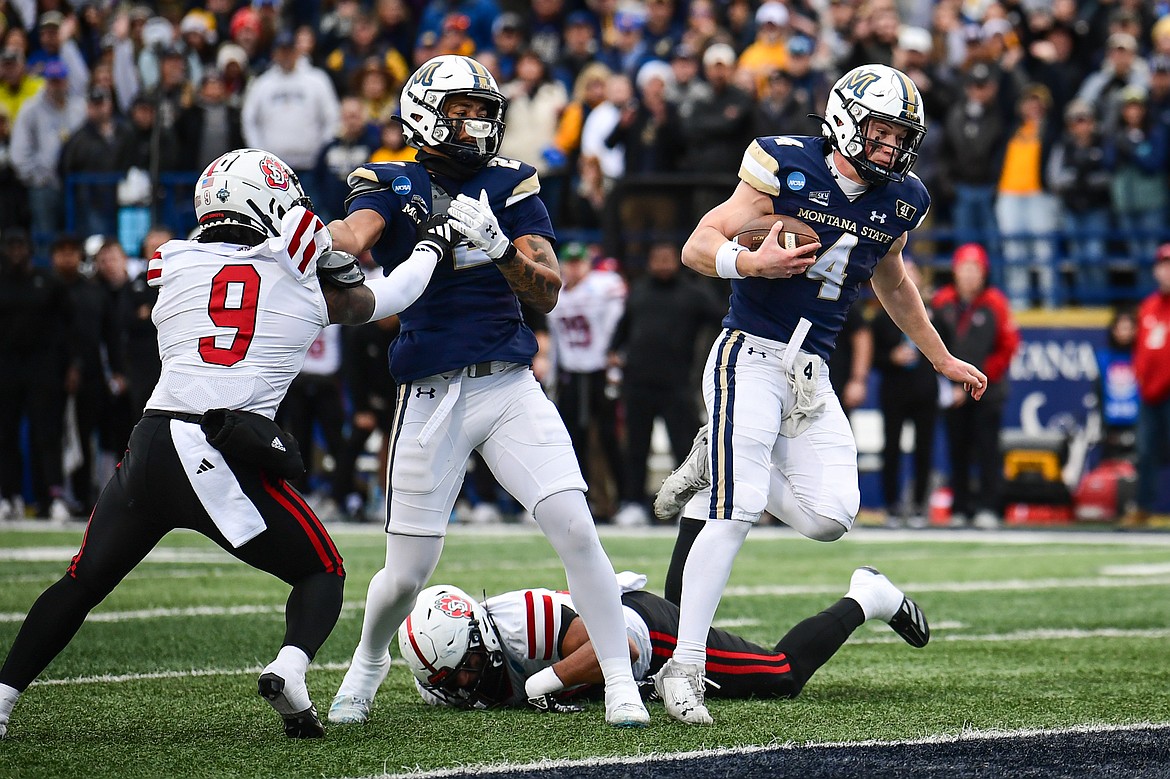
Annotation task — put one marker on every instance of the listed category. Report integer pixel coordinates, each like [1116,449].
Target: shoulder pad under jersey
[508,180]
[373,177]
[761,162]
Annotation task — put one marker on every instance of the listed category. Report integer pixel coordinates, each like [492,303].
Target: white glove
[474,218]
[303,238]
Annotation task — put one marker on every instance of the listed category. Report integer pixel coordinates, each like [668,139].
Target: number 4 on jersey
[830,267]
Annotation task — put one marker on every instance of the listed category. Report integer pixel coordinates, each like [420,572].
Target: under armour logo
[752,350]
[874,216]
[277,445]
[204,465]
[429,391]
[491,232]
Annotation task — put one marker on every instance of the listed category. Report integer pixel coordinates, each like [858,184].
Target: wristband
[543,682]
[725,260]
[430,246]
[508,255]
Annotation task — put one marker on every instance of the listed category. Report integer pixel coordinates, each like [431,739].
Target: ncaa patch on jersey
[796,181]
[401,185]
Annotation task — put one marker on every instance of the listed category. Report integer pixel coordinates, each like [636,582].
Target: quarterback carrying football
[778,440]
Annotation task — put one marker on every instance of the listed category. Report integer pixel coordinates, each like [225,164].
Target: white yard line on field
[552,766]
[1021,635]
[1007,585]
[1014,585]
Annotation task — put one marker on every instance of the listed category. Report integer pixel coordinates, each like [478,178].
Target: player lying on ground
[238,309]
[529,646]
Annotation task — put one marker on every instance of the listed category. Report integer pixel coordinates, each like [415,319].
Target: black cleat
[297,724]
[910,623]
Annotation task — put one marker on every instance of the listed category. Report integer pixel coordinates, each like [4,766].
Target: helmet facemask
[903,155]
[488,685]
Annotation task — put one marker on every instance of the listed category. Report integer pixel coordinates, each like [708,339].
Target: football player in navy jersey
[778,438]
[462,363]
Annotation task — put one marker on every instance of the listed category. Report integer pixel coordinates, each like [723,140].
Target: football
[794,232]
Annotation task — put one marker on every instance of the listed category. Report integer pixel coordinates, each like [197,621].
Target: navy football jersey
[854,236]
[468,313]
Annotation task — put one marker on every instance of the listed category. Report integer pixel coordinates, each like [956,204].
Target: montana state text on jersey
[490,326]
[854,235]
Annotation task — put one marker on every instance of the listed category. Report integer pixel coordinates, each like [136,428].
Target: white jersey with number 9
[226,306]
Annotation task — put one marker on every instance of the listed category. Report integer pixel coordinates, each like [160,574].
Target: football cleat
[624,707]
[292,703]
[627,715]
[882,600]
[687,479]
[351,704]
[682,687]
[349,710]
[910,623]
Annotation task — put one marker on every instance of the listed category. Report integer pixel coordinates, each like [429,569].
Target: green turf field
[1031,630]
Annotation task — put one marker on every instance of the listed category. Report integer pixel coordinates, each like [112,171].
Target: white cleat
[624,707]
[351,704]
[349,710]
[3,729]
[682,687]
[627,715]
[687,479]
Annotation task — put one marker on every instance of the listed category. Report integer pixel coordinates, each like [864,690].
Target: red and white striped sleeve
[154,268]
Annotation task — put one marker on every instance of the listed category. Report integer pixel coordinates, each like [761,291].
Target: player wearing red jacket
[1151,364]
[975,322]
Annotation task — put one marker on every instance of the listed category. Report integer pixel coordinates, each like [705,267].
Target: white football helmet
[248,188]
[451,647]
[424,119]
[875,92]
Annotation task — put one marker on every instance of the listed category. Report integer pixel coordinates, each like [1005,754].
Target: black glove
[341,269]
[547,704]
[434,231]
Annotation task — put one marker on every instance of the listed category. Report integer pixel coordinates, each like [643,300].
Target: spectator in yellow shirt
[16,83]
[769,51]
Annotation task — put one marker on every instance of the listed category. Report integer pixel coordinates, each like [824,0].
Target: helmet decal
[453,605]
[858,81]
[275,175]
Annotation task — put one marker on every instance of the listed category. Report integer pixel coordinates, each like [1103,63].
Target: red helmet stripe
[417,651]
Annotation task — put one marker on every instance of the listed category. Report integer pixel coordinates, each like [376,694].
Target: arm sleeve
[405,283]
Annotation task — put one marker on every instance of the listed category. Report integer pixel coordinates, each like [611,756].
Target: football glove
[547,704]
[437,233]
[303,238]
[475,220]
[341,269]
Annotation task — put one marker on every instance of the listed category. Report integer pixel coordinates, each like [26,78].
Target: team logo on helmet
[859,81]
[453,606]
[275,175]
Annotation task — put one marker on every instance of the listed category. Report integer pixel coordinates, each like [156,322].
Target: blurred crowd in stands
[1048,145]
